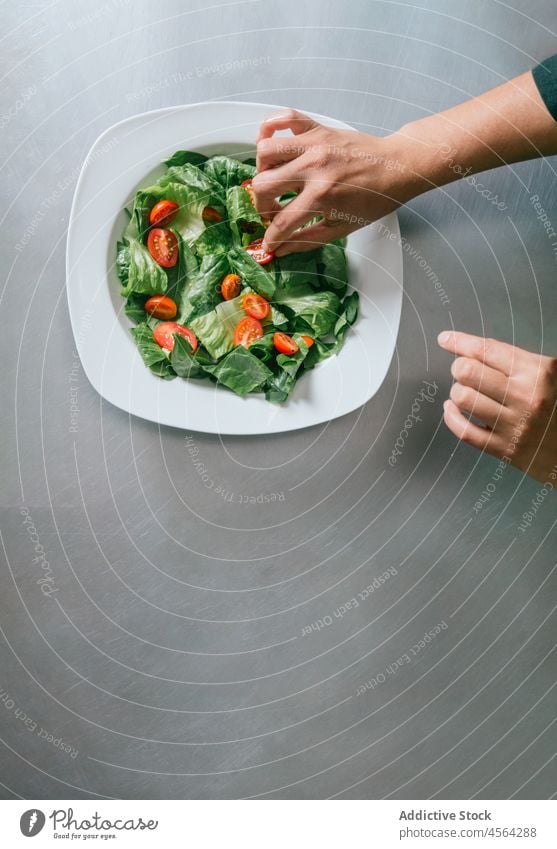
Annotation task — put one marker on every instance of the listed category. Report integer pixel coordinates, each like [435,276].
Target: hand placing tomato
[256,306]
[285,344]
[258,252]
[163,213]
[163,247]
[230,287]
[160,306]
[163,334]
[211,215]
[248,330]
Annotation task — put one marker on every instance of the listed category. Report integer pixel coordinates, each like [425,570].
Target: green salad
[208,301]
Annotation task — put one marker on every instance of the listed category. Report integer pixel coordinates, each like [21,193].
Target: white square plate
[126,157]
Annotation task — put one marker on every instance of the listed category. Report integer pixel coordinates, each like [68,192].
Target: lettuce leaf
[242,214]
[145,275]
[214,334]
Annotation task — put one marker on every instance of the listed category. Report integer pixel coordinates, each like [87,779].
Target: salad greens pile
[192,253]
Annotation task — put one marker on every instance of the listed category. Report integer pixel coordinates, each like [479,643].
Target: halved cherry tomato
[258,253]
[211,215]
[247,331]
[161,307]
[163,334]
[163,212]
[285,344]
[256,306]
[246,184]
[163,247]
[308,340]
[230,287]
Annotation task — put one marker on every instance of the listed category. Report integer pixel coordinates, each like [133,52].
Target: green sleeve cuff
[545,77]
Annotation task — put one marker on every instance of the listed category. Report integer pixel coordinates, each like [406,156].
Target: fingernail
[445,404]
[444,337]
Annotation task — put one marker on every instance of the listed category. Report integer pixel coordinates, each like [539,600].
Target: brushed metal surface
[211,621]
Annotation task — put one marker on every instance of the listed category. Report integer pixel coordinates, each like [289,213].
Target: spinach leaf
[333,267]
[227,171]
[280,385]
[264,348]
[138,224]
[153,356]
[122,261]
[184,362]
[184,157]
[317,311]
[134,307]
[297,268]
[241,371]
[204,288]
[348,315]
[215,239]
[164,370]
[190,176]
[252,274]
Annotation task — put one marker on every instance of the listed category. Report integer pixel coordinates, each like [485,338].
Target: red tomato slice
[163,247]
[258,253]
[256,306]
[230,287]
[249,189]
[163,334]
[308,340]
[163,212]
[247,331]
[285,344]
[161,307]
[211,215]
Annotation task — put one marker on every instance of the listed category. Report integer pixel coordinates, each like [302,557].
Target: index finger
[495,354]
[289,120]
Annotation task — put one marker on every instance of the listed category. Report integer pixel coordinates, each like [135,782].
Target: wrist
[428,160]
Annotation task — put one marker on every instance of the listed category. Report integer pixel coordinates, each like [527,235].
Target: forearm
[507,124]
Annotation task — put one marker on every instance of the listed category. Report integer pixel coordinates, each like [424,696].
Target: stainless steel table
[315,622]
